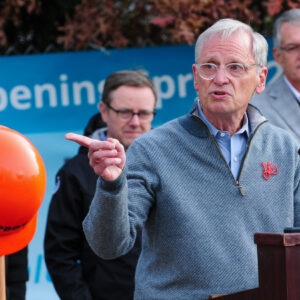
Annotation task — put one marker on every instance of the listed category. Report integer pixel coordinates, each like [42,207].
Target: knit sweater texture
[197,221]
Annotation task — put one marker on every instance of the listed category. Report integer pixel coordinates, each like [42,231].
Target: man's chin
[127,142]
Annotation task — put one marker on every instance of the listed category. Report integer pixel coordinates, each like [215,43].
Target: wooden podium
[278,269]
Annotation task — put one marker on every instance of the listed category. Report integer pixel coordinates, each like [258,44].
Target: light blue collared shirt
[294,91]
[103,136]
[233,147]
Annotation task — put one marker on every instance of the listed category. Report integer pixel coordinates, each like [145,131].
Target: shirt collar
[103,135]
[293,90]
[99,134]
[214,131]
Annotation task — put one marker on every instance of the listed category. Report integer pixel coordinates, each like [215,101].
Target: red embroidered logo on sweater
[269,170]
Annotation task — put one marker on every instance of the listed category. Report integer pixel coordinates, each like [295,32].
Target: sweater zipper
[216,143]
[237,182]
[242,191]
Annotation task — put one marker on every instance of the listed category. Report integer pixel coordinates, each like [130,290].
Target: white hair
[226,27]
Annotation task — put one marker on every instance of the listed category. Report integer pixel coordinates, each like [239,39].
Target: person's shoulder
[282,137]
[76,163]
[276,83]
[273,87]
[160,131]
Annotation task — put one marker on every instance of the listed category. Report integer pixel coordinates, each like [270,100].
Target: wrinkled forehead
[238,44]
[238,37]
[211,37]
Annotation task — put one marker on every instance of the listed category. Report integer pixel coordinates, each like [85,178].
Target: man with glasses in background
[127,107]
[200,186]
[280,102]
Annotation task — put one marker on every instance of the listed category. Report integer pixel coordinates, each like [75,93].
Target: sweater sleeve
[120,208]
[106,225]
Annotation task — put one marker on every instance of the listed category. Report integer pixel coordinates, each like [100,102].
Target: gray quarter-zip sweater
[197,221]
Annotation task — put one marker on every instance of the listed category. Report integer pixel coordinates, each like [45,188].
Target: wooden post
[278,269]
[2,278]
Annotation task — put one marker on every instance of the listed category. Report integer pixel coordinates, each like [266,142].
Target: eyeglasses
[291,48]
[208,71]
[127,114]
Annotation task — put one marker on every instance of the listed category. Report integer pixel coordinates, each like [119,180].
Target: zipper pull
[242,191]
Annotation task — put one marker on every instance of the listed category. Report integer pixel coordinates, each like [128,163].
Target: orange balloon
[22,189]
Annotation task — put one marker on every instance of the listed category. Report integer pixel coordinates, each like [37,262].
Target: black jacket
[16,266]
[77,273]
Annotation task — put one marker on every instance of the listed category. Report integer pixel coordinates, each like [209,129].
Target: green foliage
[37,26]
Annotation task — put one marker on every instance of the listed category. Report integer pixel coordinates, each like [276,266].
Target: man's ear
[196,82]
[262,80]
[277,55]
[103,110]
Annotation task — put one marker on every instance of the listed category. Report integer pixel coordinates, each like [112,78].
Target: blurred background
[43,26]
[55,56]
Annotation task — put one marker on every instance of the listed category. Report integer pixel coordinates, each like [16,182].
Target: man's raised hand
[107,158]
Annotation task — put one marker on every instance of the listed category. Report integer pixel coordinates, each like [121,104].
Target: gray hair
[226,27]
[290,16]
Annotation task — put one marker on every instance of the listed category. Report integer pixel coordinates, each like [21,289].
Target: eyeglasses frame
[117,111]
[245,66]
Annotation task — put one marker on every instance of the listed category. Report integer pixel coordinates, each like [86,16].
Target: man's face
[136,99]
[225,96]
[289,60]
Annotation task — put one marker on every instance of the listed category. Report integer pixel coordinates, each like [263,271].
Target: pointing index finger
[79,139]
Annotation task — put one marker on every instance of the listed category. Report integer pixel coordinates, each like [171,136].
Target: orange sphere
[22,189]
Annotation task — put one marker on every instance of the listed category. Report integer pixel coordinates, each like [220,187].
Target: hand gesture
[107,158]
